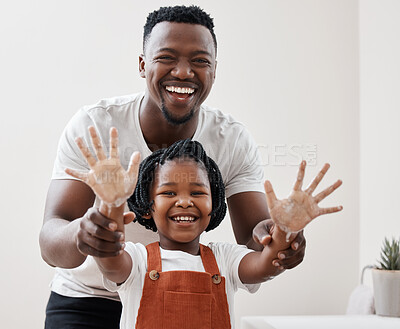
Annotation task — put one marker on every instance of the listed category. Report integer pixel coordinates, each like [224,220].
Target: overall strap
[209,261]
[153,257]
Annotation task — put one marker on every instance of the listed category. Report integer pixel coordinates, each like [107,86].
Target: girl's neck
[192,247]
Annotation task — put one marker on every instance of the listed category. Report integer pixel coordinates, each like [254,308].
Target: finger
[113,143]
[322,195]
[277,264]
[97,145]
[317,179]
[79,175]
[300,176]
[93,241]
[96,217]
[297,247]
[265,240]
[262,232]
[85,152]
[87,249]
[270,194]
[129,217]
[289,265]
[329,210]
[133,167]
[290,258]
[298,242]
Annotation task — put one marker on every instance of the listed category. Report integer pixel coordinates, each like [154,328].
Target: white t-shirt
[225,140]
[228,257]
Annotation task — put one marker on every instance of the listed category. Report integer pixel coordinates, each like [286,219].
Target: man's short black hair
[140,202]
[179,14]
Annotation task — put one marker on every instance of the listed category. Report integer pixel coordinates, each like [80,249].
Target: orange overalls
[183,299]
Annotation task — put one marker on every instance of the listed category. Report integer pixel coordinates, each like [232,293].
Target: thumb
[261,232]
[129,217]
[266,240]
[133,167]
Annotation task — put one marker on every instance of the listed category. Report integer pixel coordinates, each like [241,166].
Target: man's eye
[201,61]
[165,58]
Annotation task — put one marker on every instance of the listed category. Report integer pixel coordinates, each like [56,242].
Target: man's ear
[215,70]
[142,64]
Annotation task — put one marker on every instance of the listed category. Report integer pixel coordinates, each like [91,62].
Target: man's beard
[174,120]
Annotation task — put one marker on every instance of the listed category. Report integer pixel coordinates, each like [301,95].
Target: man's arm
[72,229]
[246,210]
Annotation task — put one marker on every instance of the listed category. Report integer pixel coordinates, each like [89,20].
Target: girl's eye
[198,193]
[167,193]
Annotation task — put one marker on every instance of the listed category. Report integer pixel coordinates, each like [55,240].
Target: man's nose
[182,70]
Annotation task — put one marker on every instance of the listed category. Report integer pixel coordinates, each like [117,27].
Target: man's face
[179,66]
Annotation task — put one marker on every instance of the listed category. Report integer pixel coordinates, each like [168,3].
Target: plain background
[317,79]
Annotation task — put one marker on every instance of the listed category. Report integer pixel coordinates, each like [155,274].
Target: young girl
[178,282]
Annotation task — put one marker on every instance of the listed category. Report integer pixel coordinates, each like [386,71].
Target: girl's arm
[117,268]
[258,266]
[113,185]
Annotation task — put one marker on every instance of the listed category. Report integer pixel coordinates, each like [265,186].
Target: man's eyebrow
[201,52]
[171,50]
[196,52]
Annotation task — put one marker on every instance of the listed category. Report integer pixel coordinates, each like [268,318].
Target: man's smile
[179,90]
[178,93]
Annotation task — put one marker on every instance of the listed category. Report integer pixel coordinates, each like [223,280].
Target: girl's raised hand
[107,178]
[300,208]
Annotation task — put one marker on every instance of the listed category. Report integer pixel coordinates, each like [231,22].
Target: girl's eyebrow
[167,184]
[191,183]
[199,184]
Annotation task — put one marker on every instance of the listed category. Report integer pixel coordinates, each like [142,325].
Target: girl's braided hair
[140,202]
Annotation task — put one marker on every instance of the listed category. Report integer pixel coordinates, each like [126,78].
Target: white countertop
[320,322]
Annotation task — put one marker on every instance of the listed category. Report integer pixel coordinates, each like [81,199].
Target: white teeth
[183,219]
[180,90]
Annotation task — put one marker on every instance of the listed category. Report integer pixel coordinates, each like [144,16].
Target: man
[179,65]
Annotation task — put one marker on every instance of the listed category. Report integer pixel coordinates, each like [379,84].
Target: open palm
[301,207]
[107,178]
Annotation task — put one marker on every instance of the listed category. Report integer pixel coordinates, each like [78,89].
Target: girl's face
[182,204]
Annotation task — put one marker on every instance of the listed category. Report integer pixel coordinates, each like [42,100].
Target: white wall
[379,126]
[295,85]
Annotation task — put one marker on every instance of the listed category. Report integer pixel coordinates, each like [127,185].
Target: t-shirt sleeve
[246,170]
[68,153]
[228,256]
[138,253]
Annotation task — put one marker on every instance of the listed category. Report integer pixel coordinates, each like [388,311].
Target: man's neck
[159,133]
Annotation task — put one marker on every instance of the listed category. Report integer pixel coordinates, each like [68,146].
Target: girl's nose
[184,202]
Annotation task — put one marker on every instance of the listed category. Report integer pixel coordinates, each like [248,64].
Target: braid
[140,202]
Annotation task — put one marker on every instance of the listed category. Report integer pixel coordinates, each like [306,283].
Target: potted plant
[386,279]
